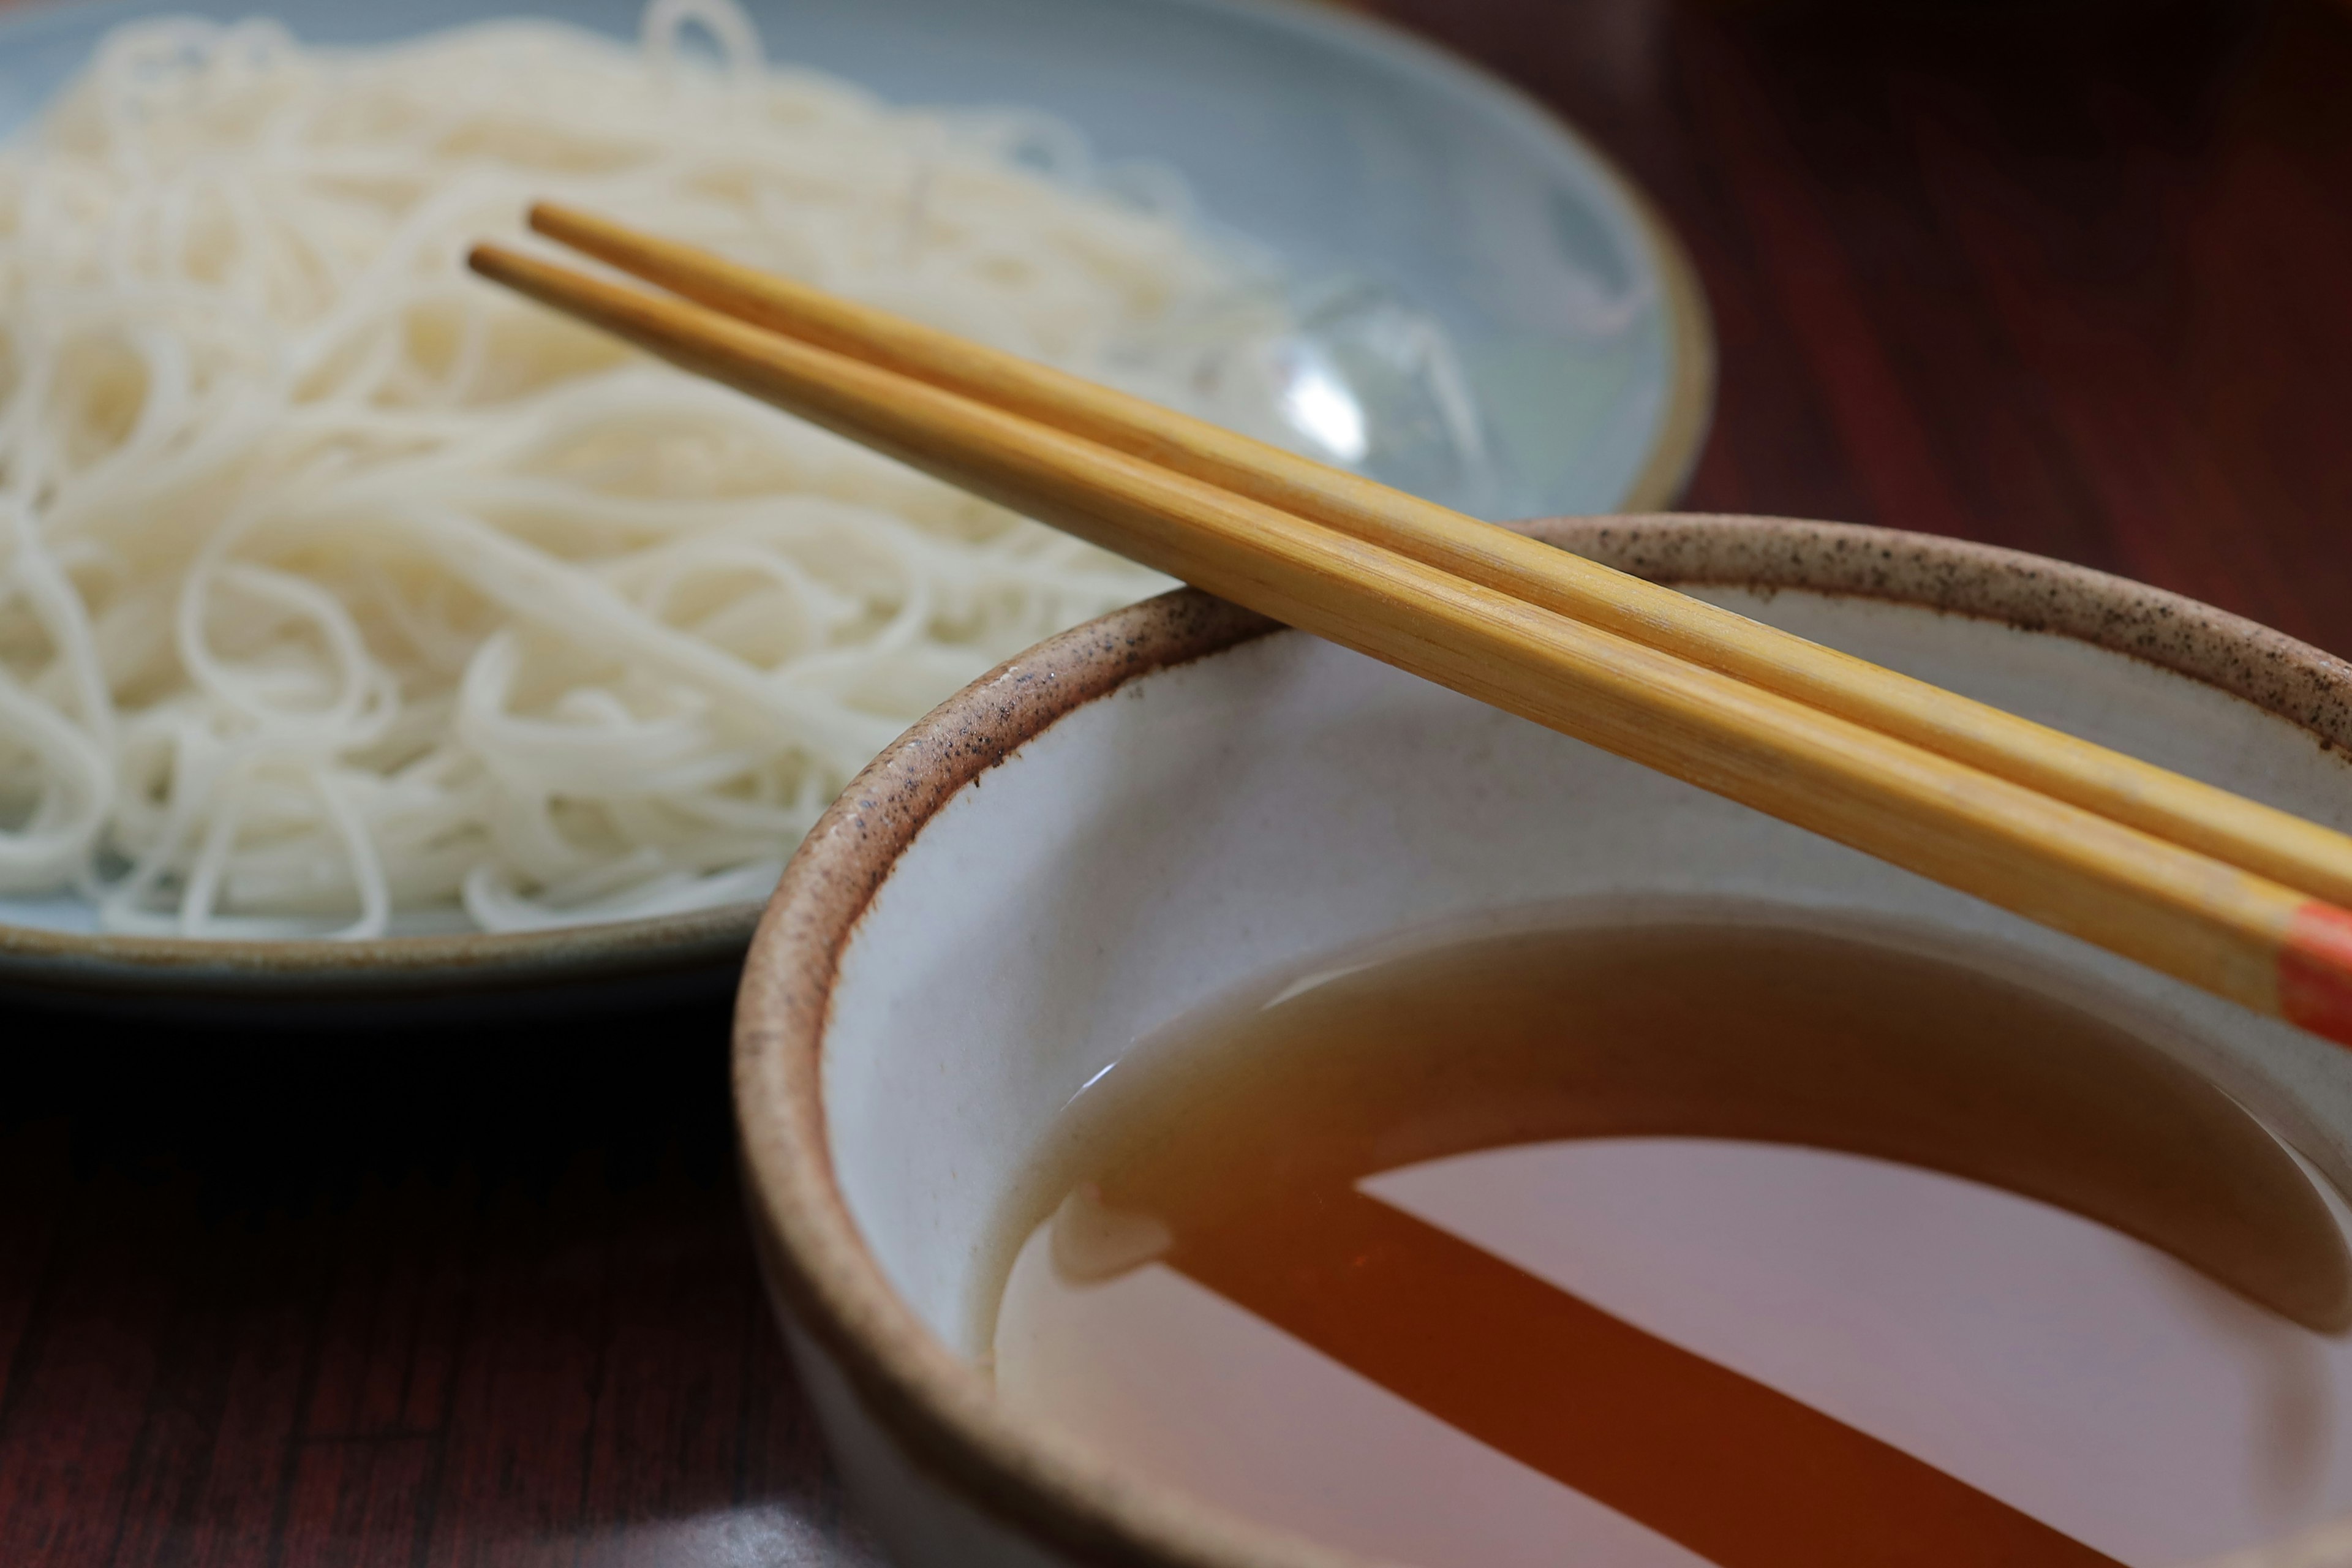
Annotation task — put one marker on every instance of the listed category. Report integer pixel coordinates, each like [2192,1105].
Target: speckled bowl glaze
[1136,816]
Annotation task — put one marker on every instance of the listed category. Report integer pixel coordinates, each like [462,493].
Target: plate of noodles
[366,632]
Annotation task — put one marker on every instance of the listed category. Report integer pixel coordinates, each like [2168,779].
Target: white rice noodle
[340,593]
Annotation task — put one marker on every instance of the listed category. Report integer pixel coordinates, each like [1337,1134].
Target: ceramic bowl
[1137,817]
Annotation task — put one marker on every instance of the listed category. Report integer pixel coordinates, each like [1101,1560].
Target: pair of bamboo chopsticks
[2220,892]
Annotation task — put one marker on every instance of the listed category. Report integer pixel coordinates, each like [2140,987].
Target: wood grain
[2211,923]
[383,1298]
[2271,842]
[2066,277]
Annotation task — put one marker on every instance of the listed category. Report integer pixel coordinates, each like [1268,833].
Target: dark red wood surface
[2072,277]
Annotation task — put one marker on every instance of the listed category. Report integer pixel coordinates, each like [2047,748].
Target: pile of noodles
[340,592]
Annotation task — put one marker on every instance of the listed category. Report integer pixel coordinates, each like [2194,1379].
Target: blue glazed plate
[1343,148]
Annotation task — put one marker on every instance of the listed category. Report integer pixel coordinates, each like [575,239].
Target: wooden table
[2070,276]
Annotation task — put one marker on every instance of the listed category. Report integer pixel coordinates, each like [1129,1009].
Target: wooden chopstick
[2243,936]
[2282,846]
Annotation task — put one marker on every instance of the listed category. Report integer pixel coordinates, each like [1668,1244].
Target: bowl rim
[941,1412]
[42,960]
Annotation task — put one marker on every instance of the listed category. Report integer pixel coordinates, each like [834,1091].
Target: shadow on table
[425,1297]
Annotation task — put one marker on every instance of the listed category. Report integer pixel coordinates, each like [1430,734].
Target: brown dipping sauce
[1664,1244]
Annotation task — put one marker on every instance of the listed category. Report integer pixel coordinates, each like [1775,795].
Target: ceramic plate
[1343,147]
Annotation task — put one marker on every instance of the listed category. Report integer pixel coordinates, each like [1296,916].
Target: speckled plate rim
[67,966]
[937,1407]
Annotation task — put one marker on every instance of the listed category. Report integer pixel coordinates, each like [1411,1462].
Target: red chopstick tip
[2315,971]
